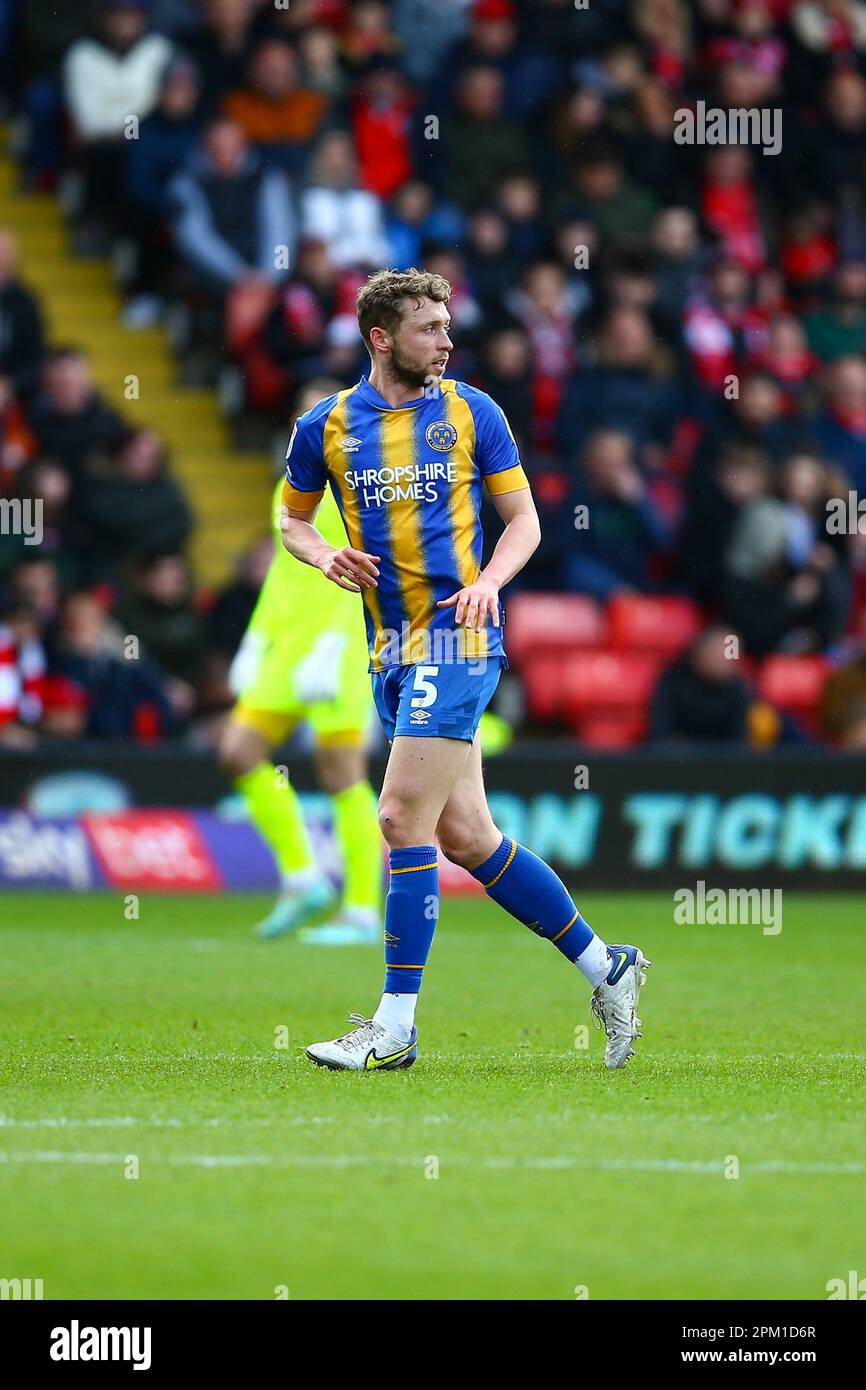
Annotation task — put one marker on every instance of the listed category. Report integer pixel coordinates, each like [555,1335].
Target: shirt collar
[369,394]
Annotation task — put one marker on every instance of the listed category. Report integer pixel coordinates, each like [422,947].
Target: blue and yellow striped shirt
[408,482]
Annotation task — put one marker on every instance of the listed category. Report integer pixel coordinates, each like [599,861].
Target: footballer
[309,671]
[406,453]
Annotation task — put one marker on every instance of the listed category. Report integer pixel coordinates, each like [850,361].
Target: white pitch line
[295,1058]
[167,1122]
[172,1122]
[298,1121]
[564,1162]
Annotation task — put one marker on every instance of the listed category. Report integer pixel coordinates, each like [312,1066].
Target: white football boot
[294,908]
[614,1003]
[352,926]
[369,1047]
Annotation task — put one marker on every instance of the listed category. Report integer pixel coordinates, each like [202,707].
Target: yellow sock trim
[566,927]
[504,866]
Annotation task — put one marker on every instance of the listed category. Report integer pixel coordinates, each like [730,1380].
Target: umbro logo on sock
[391,940]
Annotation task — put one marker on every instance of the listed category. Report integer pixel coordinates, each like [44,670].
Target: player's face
[420,347]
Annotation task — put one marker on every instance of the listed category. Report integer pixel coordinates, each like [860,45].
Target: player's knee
[237,753]
[340,767]
[457,839]
[399,823]
[391,821]
[467,841]
[459,847]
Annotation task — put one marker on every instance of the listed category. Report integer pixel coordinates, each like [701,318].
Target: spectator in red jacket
[730,207]
[382,128]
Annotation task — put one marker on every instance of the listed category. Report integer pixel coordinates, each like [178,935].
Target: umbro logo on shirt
[349,444]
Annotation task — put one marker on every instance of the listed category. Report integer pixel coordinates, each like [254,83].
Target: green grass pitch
[154,1041]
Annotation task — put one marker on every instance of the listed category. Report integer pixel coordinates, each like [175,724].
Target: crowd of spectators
[676,331]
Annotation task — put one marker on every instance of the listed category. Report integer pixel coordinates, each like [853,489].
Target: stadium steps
[229,491]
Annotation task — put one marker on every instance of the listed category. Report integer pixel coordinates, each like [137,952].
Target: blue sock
[528,888]
[411,912]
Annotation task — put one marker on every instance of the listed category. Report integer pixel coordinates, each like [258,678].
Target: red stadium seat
[612,729]
[663,624]
[538,623]
[543,684]
[794,684]
[609,681]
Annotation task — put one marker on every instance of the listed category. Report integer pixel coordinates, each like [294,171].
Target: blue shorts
[444,701]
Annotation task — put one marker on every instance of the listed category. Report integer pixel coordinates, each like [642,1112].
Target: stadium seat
[612,729]
[659,623]
[608,683]
[538,623]
[794,684]
[543,685]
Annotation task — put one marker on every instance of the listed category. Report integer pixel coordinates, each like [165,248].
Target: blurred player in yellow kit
[303,660]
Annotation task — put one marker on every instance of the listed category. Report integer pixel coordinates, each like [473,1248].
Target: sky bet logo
[412,482]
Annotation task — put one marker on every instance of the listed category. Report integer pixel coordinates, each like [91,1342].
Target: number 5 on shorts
[424,683]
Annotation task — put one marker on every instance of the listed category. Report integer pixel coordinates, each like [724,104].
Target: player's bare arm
[349,568]
[517,543]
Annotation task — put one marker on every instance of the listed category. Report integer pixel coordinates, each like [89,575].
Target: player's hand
[474,604]
[351,569]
